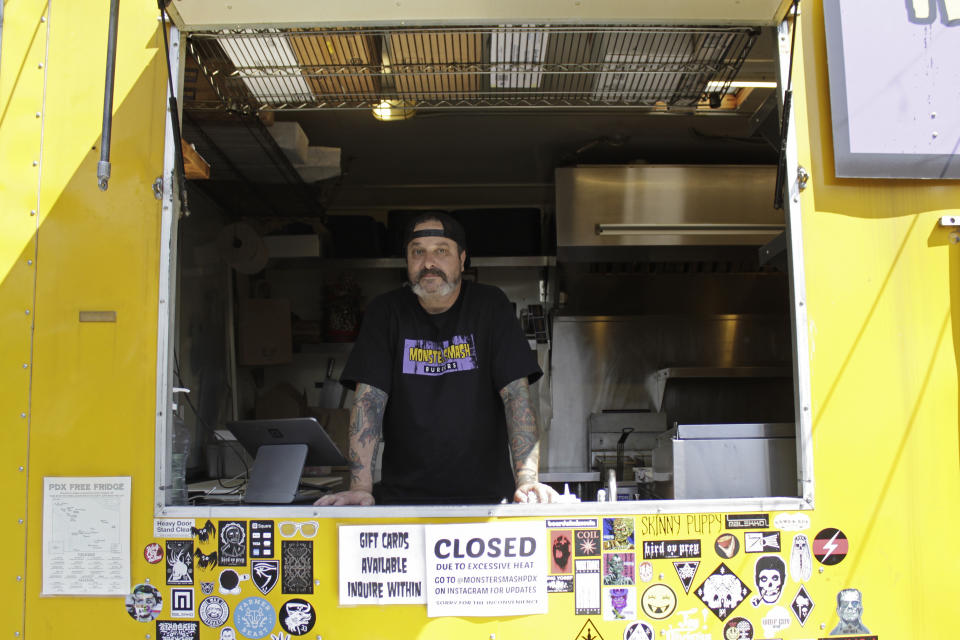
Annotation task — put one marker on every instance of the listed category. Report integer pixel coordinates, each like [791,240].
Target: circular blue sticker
[254,617]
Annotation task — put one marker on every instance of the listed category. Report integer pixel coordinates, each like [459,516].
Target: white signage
[490,569]
[173,528]
[382,564]
[86,536]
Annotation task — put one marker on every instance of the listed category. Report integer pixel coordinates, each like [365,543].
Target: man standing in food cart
[442,371]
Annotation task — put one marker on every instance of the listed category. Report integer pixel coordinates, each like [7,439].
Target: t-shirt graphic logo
[428,358]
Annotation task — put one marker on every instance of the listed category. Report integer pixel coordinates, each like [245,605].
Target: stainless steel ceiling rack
[655,67]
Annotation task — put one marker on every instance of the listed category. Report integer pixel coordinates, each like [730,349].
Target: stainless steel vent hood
[614,212]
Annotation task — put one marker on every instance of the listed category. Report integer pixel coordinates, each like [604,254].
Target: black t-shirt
[444,427]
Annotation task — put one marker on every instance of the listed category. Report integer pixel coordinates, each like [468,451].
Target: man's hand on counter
[535,492]
[343,498]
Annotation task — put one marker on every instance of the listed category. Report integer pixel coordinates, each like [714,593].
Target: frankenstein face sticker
[849,609]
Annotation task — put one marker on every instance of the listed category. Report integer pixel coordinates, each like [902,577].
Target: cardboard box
[434,50]
[335,64]
[264,332]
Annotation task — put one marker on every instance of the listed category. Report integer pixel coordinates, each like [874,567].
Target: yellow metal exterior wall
[882,292]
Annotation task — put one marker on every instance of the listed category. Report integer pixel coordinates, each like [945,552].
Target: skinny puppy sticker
[495,569]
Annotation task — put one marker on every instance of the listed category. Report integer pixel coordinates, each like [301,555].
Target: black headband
[424,233]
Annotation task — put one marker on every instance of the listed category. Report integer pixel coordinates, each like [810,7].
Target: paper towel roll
[242,248]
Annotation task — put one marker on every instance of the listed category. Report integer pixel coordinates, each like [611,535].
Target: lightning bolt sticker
[830,546]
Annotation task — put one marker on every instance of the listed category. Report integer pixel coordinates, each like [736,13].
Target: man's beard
[442,291]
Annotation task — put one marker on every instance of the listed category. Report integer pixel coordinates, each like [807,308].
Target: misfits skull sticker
[144,603]
[297,616]
[587,542]
[179,561]
[738,629]
[232,543]
[297,568]
[658,601]
[802,605]
[214,611]
[265,574]
[153,553]
[686,571]
[722,591]
[768,573]
[254,617]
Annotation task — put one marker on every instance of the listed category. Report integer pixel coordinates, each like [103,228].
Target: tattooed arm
[366,425]
[524,443]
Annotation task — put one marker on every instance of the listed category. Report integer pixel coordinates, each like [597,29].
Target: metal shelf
[657,381]
[442,67]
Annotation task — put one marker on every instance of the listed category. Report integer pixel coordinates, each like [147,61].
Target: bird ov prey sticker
[232,547]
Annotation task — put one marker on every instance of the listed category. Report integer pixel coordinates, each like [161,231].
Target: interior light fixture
[391,110]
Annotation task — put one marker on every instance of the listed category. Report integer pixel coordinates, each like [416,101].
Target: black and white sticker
[670,549]
[686,571]
[722,591]
[204,533]
[639,630]
[181,603]
[748,521]
[178,630]
[214,611]
[261,539]
[297,616]
[230,581]
[206,588]
[658,601]
[801,560]
[265,574]
[761,541]
[738,629]
[769,575]
[802,605]
[296,574]
[179,561]
[204,560]
[586,542]
[232,543]
[559,584]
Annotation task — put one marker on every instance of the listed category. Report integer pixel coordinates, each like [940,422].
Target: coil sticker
[296,575]
[658,601]
[297,616]
[560,551]
[232,547]
[722,592]
[670,549]
[261,539]
[830,546]
[144,603]
[638,631]
[254,617]
[726,545]
[265,574]
[620,603]
[617,534]
[738,629]
[153,553]
[178,630]
[761,541]
[587,542]
[849,610]
[214,611]
[769,573]
[179,561]
[801,560]
[686,571]
[802,605]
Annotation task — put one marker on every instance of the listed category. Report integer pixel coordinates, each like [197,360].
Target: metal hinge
[158,188]
[802,177]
